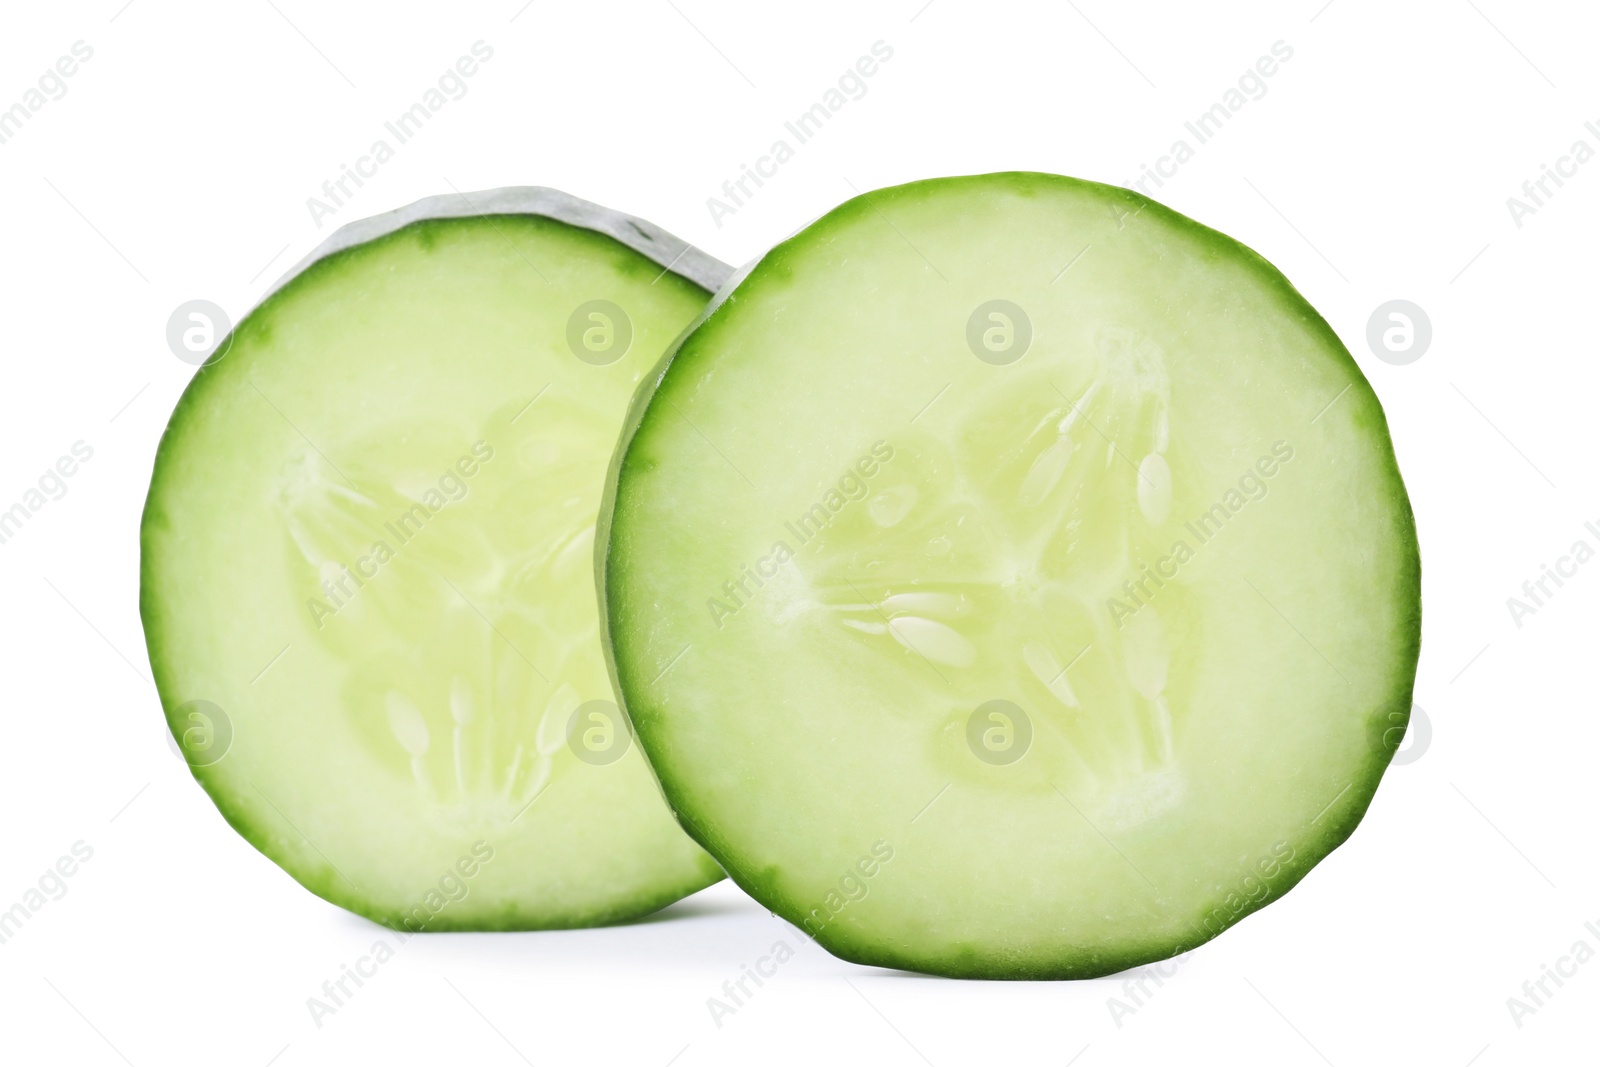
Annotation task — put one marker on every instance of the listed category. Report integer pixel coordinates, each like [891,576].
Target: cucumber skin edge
[968,964]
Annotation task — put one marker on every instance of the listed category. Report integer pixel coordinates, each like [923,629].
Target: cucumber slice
[368,587]
[1010,577]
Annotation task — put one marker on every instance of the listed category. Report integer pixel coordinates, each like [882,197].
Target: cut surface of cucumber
[1010,577]
[367,553]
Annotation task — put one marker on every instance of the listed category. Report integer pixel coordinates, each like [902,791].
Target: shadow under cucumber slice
[1012,578]
[367,554]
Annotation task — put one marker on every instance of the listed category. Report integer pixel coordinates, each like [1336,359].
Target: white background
[1376,167]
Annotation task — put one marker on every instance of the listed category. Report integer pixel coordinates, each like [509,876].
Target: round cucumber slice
[1010,577]
[368,586]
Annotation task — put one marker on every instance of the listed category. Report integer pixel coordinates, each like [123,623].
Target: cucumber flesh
[1010,577]
[368,588]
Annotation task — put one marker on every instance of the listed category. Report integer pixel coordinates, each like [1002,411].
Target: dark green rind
[326,882]
[1387,725]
